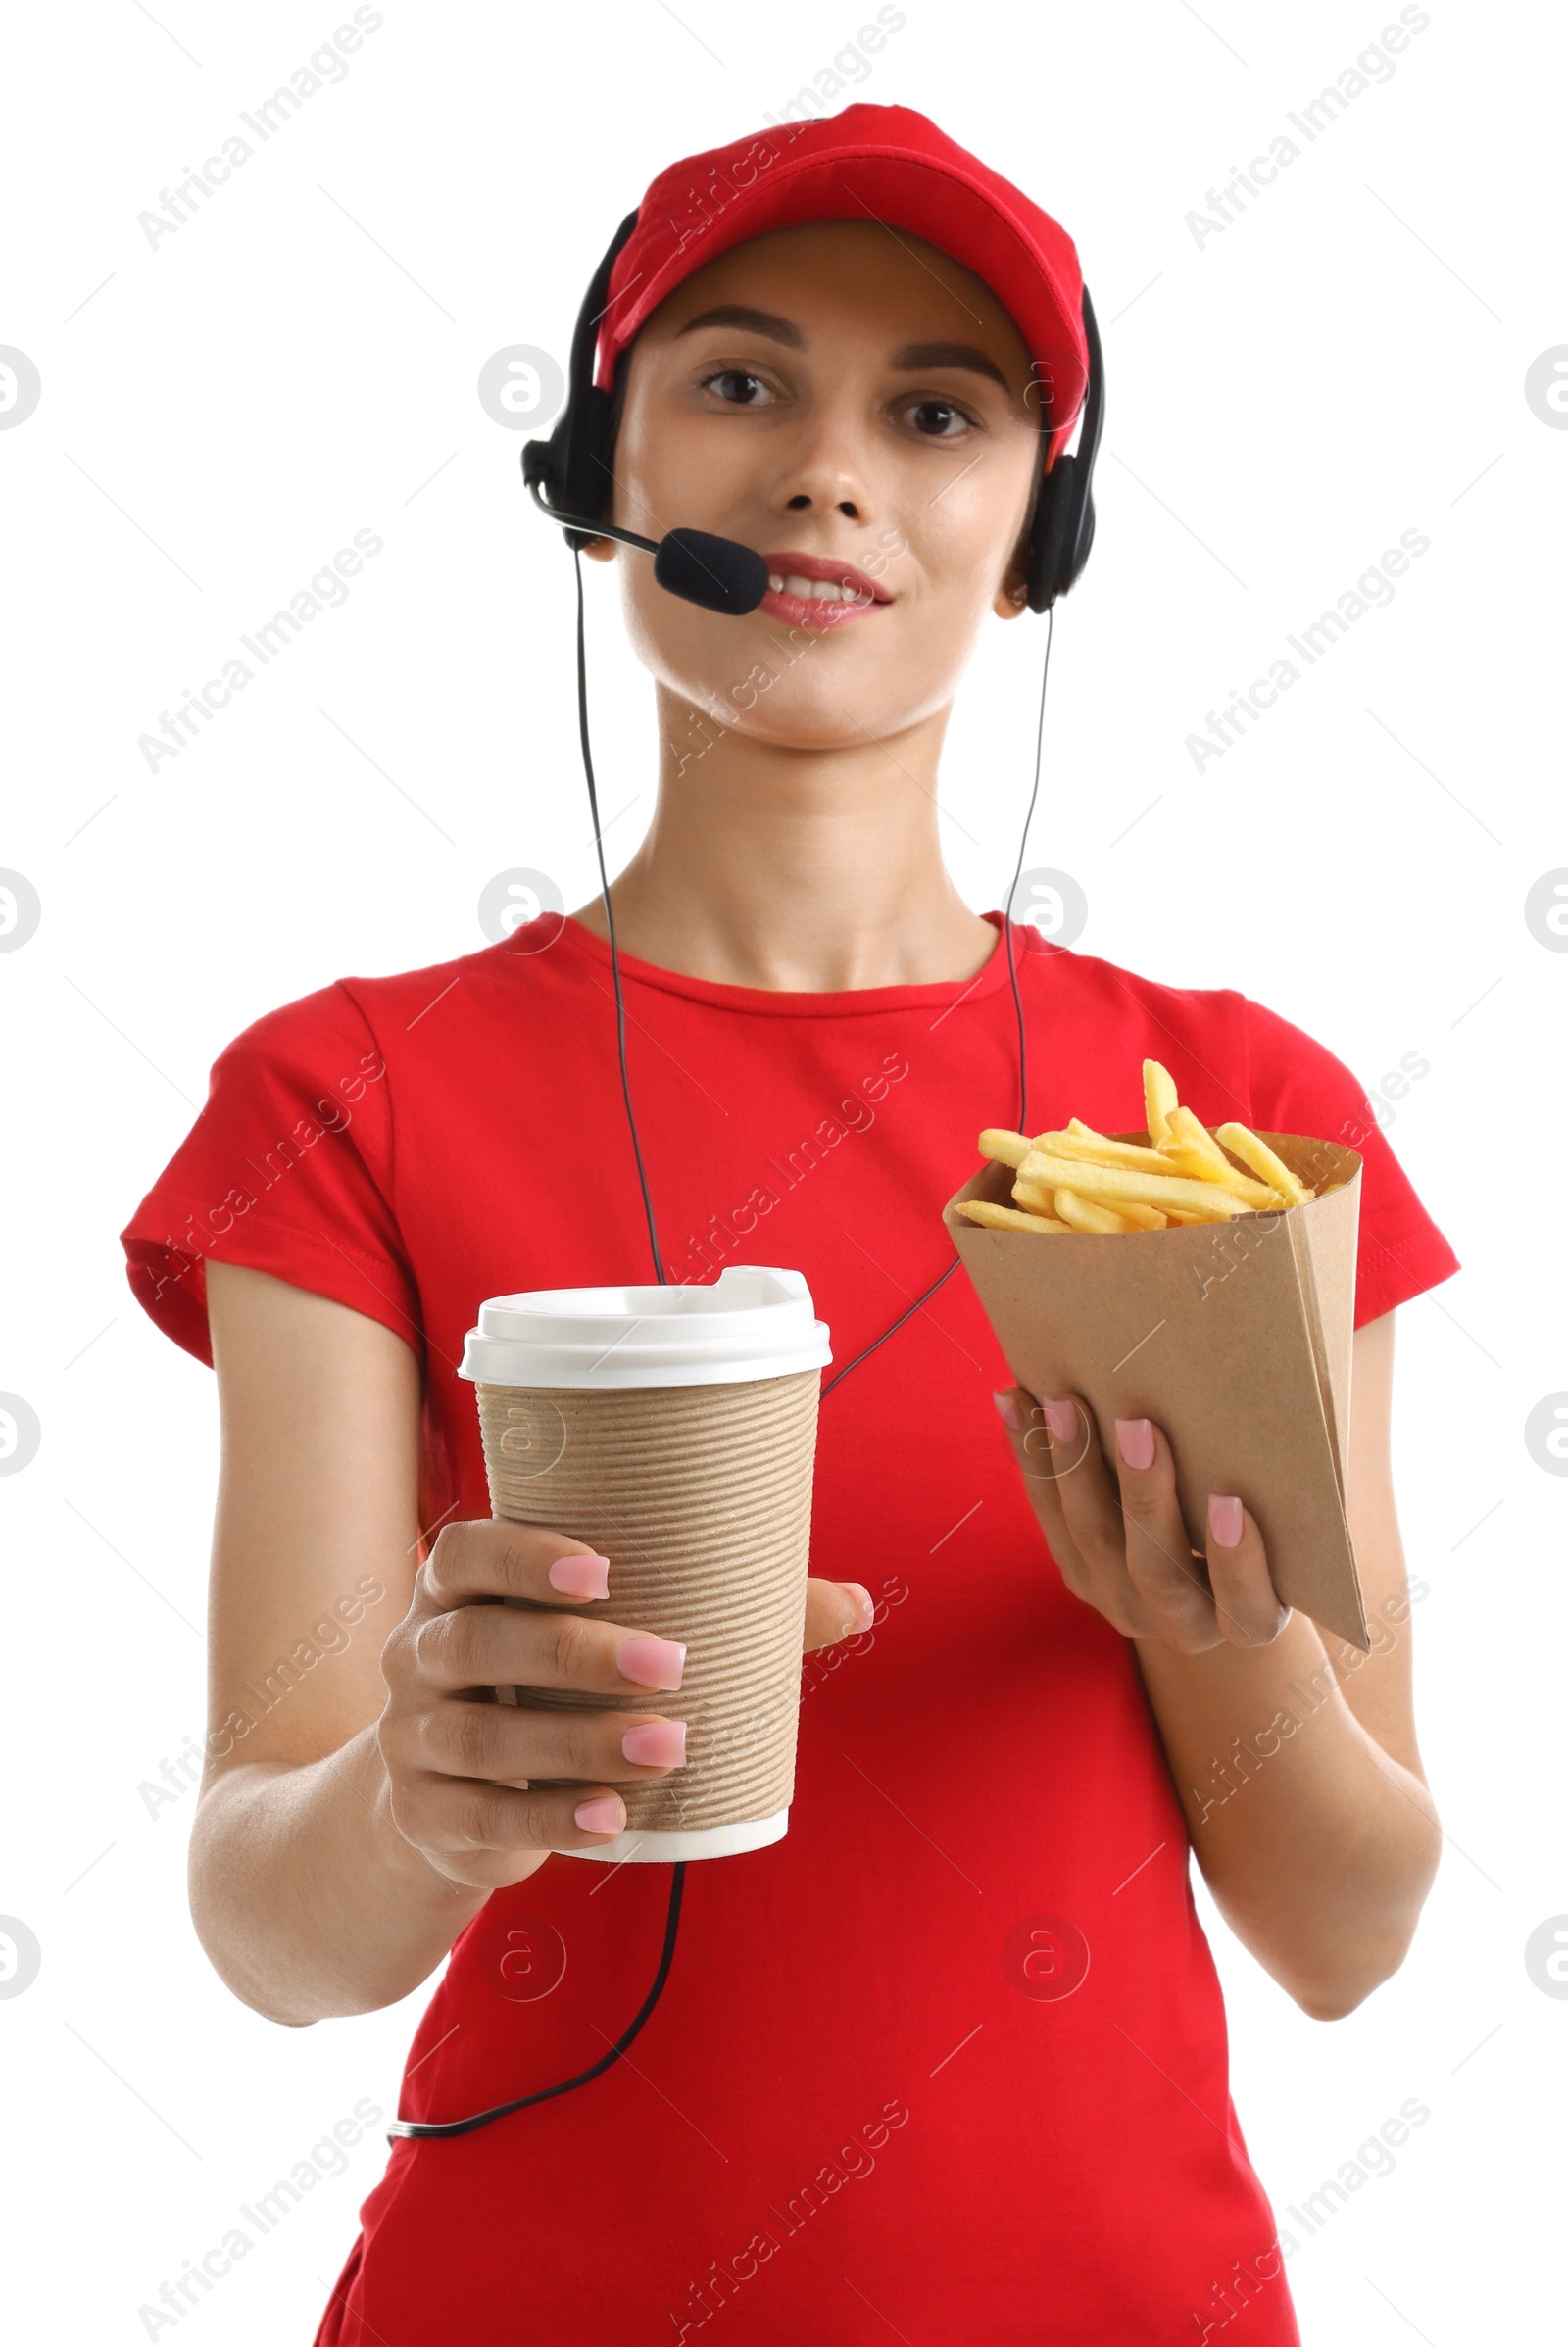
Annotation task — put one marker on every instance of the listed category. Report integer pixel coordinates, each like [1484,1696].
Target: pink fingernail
[656,1744]
[862,1600]
[606,1813]
[1007,1411]
[1135,1440]
[1061,1417]
[651,1662]
[1224,1521]
[581,1575]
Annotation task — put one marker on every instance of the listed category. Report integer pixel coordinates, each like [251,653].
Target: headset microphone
[720,574]
[723,575]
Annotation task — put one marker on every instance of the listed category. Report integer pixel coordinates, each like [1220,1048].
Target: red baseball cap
[881,162]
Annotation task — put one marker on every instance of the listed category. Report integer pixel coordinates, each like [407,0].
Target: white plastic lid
[751,1322]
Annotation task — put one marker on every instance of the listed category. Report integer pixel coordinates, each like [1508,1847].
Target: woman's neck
[809,871]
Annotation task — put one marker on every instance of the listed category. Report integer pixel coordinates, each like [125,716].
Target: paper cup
[674,1429]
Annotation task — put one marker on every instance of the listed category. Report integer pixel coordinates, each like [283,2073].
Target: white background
[1343,362]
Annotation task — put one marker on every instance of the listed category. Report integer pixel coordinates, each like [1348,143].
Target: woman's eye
[736,387]
[938,418]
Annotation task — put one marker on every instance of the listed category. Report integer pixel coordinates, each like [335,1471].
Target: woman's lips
[790,597]
[800,610]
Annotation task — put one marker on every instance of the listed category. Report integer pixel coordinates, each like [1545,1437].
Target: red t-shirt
[949,2061]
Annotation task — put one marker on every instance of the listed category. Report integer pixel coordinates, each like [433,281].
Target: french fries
[1033,1197]
[1159,1099]
[1078,1180]
[1143,1219]
[1082,1214]
[1097,1149]
[1007,1218]
[1008,1149]
[1108,1185]
[1191,1151]
[1260,1158]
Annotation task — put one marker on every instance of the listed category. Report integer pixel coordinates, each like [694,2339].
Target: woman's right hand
[459,1764]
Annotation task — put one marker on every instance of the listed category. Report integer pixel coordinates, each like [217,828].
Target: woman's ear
[602,549]
[1013,596]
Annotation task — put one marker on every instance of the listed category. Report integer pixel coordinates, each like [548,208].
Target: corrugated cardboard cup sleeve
[1236,1337]
[701,1498]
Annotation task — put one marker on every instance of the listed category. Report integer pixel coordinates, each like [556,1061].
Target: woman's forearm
[1318,1846]
[306,1896]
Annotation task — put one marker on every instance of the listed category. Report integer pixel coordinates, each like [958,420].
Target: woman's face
[858,407]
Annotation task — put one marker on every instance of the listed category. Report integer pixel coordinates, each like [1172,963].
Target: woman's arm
[360,1807]
[1293,1755]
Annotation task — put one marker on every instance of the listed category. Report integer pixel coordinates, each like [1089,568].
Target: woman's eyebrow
[758,322]
[915,357]
[912,359]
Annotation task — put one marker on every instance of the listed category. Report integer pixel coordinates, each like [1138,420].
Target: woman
[950,2058]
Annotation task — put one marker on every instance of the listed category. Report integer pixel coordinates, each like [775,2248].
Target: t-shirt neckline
[551,930]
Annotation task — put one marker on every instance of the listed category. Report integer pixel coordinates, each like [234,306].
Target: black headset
[570,479]
[574,467]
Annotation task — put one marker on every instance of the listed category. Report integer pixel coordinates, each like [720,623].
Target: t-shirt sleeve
[1297,1086]
[288,1169]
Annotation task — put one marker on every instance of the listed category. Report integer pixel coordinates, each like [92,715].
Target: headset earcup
[586,477]
[572,467]
[543,464]
[1062,534]
[1086,538]
[1049,537]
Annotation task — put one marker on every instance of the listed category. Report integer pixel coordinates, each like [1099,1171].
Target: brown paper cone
[701,1498]
[1236,1337]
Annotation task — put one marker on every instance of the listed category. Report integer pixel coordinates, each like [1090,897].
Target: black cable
[1023,845]
[609,916]
[1017,1002]
[890,1332]
[424,2130]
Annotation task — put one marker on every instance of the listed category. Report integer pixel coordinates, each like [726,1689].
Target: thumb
[859,1597]
[835,1610]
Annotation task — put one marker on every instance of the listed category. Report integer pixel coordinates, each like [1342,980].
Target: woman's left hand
[1120,1540]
